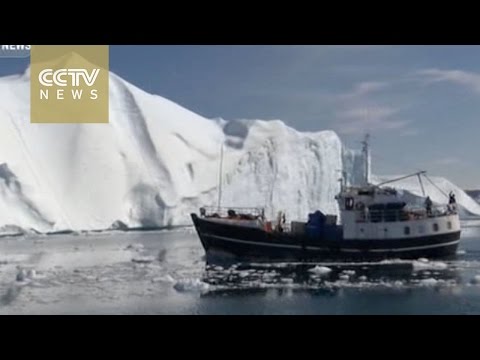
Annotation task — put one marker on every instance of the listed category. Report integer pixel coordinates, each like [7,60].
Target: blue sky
[421,104]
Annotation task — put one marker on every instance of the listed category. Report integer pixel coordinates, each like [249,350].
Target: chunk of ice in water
[320,270]
[143,259]
[429,282]
[476,280]
[194,285]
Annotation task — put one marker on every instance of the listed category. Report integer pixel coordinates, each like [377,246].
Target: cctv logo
[75,74]
[68,77]
[69,84]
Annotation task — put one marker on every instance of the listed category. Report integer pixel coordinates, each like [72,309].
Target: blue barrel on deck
[315,225]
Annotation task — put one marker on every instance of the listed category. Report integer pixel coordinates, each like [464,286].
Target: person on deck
[428,205]
[452,199]
[452,202]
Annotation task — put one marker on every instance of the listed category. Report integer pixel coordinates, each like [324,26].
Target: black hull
[226,241]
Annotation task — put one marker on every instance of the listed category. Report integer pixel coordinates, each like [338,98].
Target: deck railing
[395,215]
[247,213]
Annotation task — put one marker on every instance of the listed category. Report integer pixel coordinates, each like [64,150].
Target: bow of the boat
[197,224]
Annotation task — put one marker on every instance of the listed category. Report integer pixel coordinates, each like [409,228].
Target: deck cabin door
[373,231]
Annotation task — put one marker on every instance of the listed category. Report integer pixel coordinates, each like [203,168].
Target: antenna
[366,154]
[421,183]
[220,178]
[401,178]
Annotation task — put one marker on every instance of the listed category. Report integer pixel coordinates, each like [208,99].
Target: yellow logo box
[69,83]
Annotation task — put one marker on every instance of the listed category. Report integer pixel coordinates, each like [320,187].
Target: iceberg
[155,162]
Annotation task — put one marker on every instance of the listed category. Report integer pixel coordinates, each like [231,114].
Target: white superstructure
[373,213]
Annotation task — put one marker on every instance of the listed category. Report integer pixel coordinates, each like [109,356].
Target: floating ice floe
[135,247]
[429,282]
[193,285]
[476,280]
[320,270]
[164,279]
[421,264]
[143,259]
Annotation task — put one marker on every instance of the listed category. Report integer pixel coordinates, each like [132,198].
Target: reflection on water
[327,277]
[387,287]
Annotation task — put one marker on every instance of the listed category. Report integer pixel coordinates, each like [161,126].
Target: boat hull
[227,241]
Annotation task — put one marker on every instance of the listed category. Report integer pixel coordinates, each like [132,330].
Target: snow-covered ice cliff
[155,162]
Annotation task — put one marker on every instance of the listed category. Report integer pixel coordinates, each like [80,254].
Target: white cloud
[363,89]
[371,119]
[460,77]
[409,132]
[372,113]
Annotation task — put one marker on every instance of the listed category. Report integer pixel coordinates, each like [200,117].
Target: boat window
[449,225]
[349,203]
[435,227]
[406,230]
[395,205]
[421,229]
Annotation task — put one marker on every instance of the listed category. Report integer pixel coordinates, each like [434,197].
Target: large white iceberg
[155,162]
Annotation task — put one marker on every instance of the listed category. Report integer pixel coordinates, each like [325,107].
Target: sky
[421,104]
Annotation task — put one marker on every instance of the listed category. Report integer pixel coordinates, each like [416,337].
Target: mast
[220,179]
[342,180]
[366,158]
